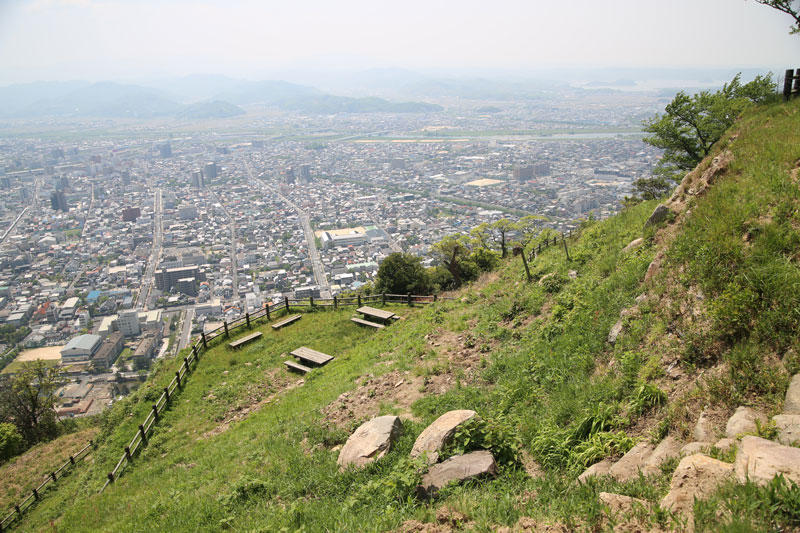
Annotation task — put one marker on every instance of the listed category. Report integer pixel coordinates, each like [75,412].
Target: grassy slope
[546,370]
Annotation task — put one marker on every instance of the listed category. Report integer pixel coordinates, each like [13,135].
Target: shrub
[11,441]
[646,397]
[498,435]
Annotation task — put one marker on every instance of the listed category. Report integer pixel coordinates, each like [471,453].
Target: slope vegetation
[704,315]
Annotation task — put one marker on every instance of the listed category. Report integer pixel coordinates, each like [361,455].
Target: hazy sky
[116,39]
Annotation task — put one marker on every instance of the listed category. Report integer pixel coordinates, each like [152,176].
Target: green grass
[548,383]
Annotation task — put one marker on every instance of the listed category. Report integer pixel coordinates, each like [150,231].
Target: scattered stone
[621,505]
[458,468]
[573,274]
[371,441]
[655,266]
[760,460]
[667,449]
[616,329]
[704,428]
[635,243]
[546,277]
[788,428]
[694,448]
[791,405]
[660,214]
[631,464]
[642,297]
[438,433]
[696,477]
[725,445]
[744,421]
[598,469]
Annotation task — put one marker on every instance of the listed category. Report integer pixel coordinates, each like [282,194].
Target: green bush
[497,435]
[11,441]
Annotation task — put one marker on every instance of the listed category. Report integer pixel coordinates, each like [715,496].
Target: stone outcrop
[435,436]
[598,469]
[616,329]
[659,215]
[667,449]
[704,429]
[788,428]
[791,405]
[371,441]
[744,421]
[621,505]
[760,460]
[725,444]
[697,476]
[634,244]
[695,447]
[632,463]
[458,468]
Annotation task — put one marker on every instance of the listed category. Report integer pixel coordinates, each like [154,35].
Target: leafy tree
[28,400]
[402,273]
[452,252]
[501,230]
[692,124]
[11,442]
[785,6]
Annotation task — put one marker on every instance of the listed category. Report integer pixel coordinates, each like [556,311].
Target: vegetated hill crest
[676,325]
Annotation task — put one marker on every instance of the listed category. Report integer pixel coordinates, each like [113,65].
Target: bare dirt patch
[396,389]
[256,397]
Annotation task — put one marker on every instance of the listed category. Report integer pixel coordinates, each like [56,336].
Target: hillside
[625,344]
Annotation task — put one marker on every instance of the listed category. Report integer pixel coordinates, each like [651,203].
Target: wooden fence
[36,494]
[791,83]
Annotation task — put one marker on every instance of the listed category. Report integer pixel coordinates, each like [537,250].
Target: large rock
[632,463]
[725,445]
[744,421]
[371,441]
[435,436]
[695,447]
[696,477]
[791,405]
[598,469]
[760,460]
[660,214]
[458,468]
[788,428]
[704,429]
[668,448]
[634,244]
[616,329]
[621,505]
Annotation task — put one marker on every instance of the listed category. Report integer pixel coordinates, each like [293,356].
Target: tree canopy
[691,125]
[786,6]
[401,273]
[28,399]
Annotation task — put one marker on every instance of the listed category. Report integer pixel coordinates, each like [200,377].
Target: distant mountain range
[220,98]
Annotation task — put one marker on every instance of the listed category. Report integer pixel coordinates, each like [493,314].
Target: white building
[128,323]
[80,348]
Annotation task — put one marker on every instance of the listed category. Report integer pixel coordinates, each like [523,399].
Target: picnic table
[376,314]
[311,356]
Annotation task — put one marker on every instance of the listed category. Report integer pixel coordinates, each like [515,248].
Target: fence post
[178,378]
[110,477]
[311,301]
[247,318]
[434,298]
[565,246]
[166,394]
[194,352]
[286,303]
[186,363]
[796,88]
[35,494]
[408,298]
[17,509]
[53,475]
[203,335]
[539,248]
[141,431]
[383,298]
[359,299]
[155,413]
[225,323]
[71,460]
[788,78]
[335,303]
[128,453]
[268,317]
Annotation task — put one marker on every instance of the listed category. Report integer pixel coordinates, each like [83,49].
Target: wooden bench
[311,356]
[244,340]
[297,367]
[286,321]
[367,323]
[376,314]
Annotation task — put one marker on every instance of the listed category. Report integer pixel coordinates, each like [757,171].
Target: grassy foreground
[246,447]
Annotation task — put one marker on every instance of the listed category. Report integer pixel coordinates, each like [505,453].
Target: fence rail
[36,494]
[791,83]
